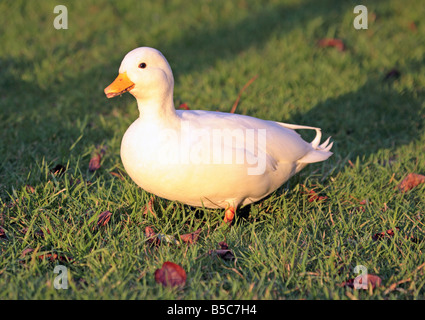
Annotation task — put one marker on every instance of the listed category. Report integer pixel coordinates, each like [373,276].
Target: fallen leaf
[170,275]
[331,42]
[223,245]
[190,237]
[389,233]
[104,218]
[94,163]
[29,188]
[225,254]
[412,26]
[184,106]
[392,74]
[151,235]
[372,280]
[410,181]
[96,158]
[54,257]
[313,196]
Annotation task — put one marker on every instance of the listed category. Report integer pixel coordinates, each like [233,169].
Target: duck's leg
[229,214]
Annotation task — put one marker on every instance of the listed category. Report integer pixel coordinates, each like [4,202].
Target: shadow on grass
[375,116]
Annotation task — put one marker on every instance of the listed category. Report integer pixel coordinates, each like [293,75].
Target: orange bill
[120,85]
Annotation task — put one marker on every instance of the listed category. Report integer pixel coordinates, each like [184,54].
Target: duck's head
[145,73]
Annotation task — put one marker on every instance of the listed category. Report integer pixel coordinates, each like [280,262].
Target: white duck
[203,158]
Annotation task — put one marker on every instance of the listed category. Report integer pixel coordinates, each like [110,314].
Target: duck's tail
[319,152]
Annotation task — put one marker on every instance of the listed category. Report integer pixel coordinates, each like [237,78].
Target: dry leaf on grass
[190,237]
[412,26]
[331,42]
[411,181]
[54,257]
[313,196]
[393,74]
[385,234]
[170,275]
[96,158]
[151,235]
[184,106]
[224,252]
[372,280]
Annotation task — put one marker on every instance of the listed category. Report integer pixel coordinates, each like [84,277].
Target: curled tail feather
[319,153]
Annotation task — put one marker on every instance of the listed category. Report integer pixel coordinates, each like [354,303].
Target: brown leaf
[372,280]
[313,196]
[225,254]
[392,74]
[54,257]
[223,245]
[410,181]
[191,237]
[104,218]
[389,233]
[94,163]
[331,42]
[170,275]
[412,26]
[152,237]
[184,106]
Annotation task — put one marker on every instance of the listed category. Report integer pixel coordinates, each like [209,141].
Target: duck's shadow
[376,116]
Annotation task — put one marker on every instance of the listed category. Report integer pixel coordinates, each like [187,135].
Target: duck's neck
[157,109]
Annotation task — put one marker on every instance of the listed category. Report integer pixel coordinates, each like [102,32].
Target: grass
[53,111]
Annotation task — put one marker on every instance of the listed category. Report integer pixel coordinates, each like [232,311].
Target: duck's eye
[142,65]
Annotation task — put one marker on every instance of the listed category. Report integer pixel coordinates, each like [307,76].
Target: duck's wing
[273,141]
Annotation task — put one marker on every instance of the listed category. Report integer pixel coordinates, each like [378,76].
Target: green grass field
[53,112]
